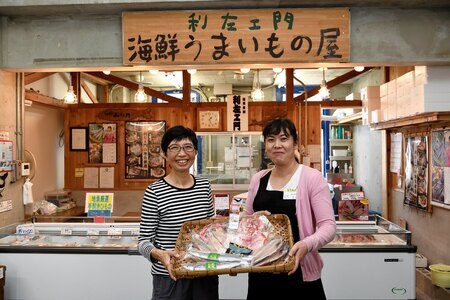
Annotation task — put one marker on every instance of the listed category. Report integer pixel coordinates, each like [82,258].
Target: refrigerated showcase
[82,260]
[369,260]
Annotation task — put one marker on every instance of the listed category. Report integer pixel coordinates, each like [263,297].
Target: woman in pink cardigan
[302,194]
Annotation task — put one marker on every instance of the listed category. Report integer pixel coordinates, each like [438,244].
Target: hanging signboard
[236,36]
[237,113]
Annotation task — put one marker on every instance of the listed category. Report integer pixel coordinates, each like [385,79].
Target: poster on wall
[143,158]
[440,168]
[103,143]
[6,156]
[416,171]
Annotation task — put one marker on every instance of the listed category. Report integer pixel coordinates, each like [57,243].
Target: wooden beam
[337,103]
[186,89]
[95,79]
[88,91]
[332,83]
[135,86]
[46,100]
[33,77]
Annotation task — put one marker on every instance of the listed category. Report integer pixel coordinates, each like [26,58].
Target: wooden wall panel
[173,114]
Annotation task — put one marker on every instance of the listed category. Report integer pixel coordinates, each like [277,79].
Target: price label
[25,229]
[92,234]
[114,233]
[66,231]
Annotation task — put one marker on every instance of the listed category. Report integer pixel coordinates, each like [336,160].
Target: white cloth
[27,192]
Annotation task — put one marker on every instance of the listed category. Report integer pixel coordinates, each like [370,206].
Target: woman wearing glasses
[167,204]
[302,194]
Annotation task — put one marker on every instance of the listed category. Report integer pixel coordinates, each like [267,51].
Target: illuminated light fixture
[277,70]
[106,72]
[192,71]
[245,70]
[153,72]
[257,92]
[140,95]
[359,68]
[70,97]
[324,92]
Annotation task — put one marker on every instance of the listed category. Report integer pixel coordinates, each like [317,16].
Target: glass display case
[229,159]
[74,258]
[363,251]
[81,234]
[375,233]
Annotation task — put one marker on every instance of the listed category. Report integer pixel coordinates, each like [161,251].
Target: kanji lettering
[193,22]
[330,35]
[173,46]
[145,49]
[288,18]
[161,47]
[230,26]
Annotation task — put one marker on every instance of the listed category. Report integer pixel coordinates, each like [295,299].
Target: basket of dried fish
[212,247]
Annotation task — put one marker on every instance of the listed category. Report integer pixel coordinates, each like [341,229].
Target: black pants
[283,286]
[202,288]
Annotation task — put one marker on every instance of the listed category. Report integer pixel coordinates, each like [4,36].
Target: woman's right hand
[165,257]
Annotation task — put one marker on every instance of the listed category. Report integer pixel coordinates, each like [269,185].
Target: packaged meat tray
[210,247]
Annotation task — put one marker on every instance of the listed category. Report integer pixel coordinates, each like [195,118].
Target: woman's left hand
[298,251]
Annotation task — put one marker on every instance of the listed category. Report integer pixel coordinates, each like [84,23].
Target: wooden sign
[237,113]
[236,36]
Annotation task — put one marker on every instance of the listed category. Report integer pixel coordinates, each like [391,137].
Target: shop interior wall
[11,191]
[430,231]
[42,137]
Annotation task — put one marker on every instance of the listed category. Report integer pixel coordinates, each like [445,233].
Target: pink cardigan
[313,209]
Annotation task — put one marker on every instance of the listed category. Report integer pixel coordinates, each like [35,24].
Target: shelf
[355,118]
[341,141]
[341,157]
[419,119]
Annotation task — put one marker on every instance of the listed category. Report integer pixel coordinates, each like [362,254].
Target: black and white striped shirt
[164,210]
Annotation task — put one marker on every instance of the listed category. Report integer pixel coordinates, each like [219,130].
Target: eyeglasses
[177,148]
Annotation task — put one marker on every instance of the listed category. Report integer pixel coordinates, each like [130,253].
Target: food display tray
[282,228]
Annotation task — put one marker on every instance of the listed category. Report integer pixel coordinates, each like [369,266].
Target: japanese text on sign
[288,35]
[99,204]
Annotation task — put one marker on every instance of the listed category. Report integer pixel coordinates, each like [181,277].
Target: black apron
[280,286]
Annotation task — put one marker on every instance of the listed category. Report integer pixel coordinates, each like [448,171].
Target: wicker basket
[282,227]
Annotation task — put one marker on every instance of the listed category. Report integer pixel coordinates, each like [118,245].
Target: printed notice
[396,152]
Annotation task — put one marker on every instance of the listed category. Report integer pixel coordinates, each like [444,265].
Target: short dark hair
[178,133]
[275,126]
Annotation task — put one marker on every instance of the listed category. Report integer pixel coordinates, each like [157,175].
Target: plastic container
[338,152]
[440,275]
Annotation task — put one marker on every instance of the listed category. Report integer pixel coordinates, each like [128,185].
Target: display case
[229,159]
[116,235]
[75,258]
[369,260]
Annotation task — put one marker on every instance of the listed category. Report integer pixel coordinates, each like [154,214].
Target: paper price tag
[115,233]
[25,229]
[66,231]
[233,222]
[93,234]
